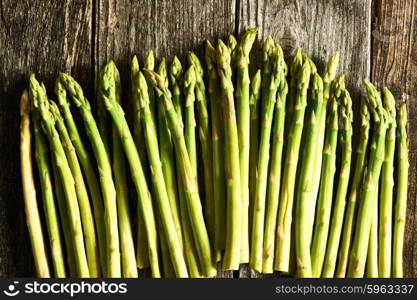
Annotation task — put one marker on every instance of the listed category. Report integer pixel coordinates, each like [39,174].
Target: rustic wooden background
[376,40]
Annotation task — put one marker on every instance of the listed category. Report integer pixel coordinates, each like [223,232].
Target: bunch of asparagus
[228,169]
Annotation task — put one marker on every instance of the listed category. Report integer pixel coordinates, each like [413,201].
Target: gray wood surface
[375,38]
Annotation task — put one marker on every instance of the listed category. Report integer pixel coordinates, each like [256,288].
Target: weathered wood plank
[319,27]
[126,28]
[42,37]
[394,65]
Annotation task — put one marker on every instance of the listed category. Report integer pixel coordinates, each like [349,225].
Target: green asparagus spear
[105,175]
[232,45]
[88,170]
[324,202]
[158,177]
[63,209]
[107,87]
[103,124]
[296,64]
[304,194]
[338,213]
[138,134]
[286,200]
[217,137]
[87,220]
[351,209]
[176,74]
[40,101]
[365,213]
[204,132]
[328,79]
[401,198]
[142,256]
[190,251]
[234,216]
[190,124]
[274,176]
[371,269]
[189,184]
[243,123]
[254,106]
[127,246]
[275,63]
[168,158]
[49,207]
[385,219]
[29,192]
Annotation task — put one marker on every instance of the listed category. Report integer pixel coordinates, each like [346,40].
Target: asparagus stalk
[158,176]
[127,247]
[286,200]
[295,68]
[190,124]
[105,175]
[338,213]
[219,193]
[324,202]
[204,132]
[267,48]
[328,79]
[190,251]
[138,134]
[87,220]
[242,95]
[45,174]
[33,220]
[385,220]
[175,75]
[305,192]
[103,124]
[372,255]
[296,64]
[40,102]
[88,170]
[167,268]
[142,257]
[274,176]
[234,217]
[232,45]
[275,63]
[107,87]
[189,184]
[149,64]
[254,106]
[189,95]
[62,208]
[401,198]
[163,202]
[168,168]
[351,209]
[168,159]
[365,213]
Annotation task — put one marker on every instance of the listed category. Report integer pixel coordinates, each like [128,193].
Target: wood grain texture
[319,27]
[126,28]
[42,37]
[394,65]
